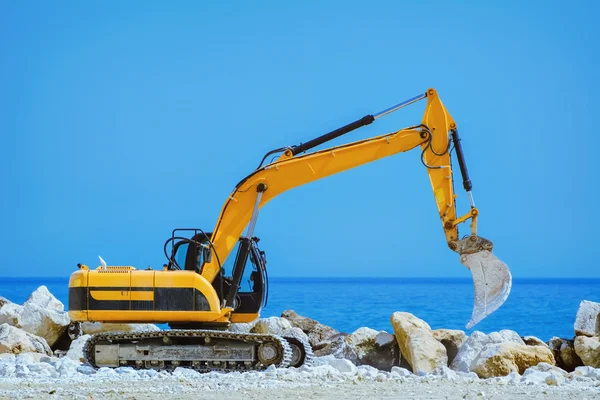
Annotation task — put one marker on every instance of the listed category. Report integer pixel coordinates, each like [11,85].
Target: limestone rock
[43,298]
[586,321]
[451,339]
[91,328]
[475,343]
[273,325]
[365,346]
[564,353]
[382,354]
[16,341]
[533,341]
[503,358]
[417,344]
[40,315]
[316,332]
[588,349]
[586,372]
[277,326]
[544,373]
[76,350]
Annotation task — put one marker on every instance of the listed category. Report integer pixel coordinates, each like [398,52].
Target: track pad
[492,281]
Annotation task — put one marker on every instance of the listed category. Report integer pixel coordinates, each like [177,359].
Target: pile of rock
[40,327]
[417,348]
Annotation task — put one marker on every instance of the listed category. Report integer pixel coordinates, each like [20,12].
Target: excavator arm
[434,136]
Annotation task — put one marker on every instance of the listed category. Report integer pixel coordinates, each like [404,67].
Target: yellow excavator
[216,278]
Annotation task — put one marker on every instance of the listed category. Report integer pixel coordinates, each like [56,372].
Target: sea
[539,307]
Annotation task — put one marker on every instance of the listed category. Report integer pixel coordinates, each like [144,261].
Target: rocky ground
[39,359]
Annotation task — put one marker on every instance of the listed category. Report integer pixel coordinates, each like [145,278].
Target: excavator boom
[434,136]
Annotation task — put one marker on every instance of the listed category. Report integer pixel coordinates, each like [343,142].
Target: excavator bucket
[492,281]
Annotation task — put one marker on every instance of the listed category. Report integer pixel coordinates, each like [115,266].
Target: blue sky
[120,122]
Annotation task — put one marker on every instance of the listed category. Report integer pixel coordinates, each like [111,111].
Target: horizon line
[356,277]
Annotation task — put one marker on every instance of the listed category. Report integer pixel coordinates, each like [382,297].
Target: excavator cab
[191,255]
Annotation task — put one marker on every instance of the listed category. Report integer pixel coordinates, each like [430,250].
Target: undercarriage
[201,350]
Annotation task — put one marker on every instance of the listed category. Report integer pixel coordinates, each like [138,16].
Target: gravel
[30,376]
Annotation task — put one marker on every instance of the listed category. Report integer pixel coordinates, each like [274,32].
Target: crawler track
[169,349]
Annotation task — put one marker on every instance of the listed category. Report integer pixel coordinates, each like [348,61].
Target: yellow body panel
[246,317]
[140,286]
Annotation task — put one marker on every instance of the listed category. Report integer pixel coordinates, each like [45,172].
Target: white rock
[41,315]
[49,360]
[343,365]
[21,370]
[414,337]
[384,339]
[587,372]
[42,369]
[86,370]
[14,340]
[7,358]
[43,322]
[368,371]
[43,298]
[447,373]
[401,371]
[91,328]
[324,360]
[588,349]
[128,372]
[189,373]
[148,373]
[9,312]
[586,321]
[66,367]
[544,373]
[241,327]
[470,349]
[29,358]
[7,370]
[75,351]
[512,378]
[278,326]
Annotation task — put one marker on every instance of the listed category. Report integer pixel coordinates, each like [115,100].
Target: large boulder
[91,328]
[451,339]
[317,333]
[43,298]
[277,326]
[504,358]
[14,340]
[365,346]
[41,315]
[588,349]
[475,343]
[564,353]
[586,321]
[417,344]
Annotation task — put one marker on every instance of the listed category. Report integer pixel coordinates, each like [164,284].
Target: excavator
[213,279]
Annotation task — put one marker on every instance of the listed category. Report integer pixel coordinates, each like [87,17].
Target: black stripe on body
[165,299]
